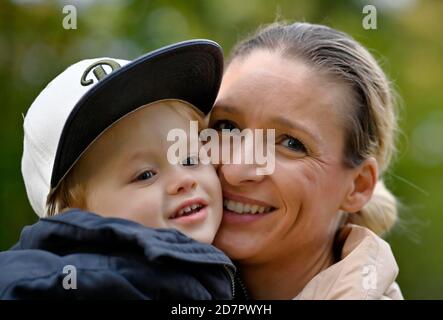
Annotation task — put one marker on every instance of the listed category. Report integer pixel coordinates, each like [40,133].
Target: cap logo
[98,70]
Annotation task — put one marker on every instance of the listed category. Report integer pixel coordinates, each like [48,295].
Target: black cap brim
[189,71]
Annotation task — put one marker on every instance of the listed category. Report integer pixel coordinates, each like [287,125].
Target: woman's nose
[239,174]
[183,182]
[243,169]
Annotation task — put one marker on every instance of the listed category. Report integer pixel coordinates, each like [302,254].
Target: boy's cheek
[209,180]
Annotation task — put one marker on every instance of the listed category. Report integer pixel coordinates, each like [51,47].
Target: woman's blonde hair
[371,126]
[70,193]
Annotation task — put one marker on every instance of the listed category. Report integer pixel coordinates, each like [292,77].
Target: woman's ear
[364,179]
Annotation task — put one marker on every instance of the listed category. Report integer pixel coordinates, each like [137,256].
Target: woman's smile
[241,209]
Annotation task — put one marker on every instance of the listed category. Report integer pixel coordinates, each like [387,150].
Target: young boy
[96,171]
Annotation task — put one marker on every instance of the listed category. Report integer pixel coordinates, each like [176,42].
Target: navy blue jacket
[113,259]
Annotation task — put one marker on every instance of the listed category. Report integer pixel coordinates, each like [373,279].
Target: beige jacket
[366,271]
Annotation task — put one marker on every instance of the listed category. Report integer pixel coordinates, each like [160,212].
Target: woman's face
[305,193]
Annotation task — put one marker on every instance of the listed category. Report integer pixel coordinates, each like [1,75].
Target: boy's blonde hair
[71,192]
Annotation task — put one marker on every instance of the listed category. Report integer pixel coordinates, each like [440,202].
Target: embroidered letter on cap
[98,70]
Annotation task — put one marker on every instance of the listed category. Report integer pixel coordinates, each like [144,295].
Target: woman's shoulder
[366,269]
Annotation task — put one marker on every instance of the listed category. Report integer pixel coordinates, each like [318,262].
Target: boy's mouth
[188,208]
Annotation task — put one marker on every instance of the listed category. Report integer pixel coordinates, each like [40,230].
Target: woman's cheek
[294,175]
[299,187]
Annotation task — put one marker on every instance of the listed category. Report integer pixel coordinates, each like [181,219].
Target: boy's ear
[364,179]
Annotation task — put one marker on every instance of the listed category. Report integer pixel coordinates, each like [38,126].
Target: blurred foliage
[408,42]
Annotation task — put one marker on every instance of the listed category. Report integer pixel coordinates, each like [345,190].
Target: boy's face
[126,174]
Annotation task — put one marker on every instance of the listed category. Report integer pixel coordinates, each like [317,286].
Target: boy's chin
[201,236]
[202,229]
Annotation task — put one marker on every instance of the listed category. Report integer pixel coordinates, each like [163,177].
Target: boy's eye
[190,161]
[145,175]
[293,144]
[224,125]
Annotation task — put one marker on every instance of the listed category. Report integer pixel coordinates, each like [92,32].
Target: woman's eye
[145,175]
[190,161]
[224,125]
[293,144]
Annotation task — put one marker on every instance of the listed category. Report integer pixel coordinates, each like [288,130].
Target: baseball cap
[90,95]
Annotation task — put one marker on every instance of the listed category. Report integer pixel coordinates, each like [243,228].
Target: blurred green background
[408,42]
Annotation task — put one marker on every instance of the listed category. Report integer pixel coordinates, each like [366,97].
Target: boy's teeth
[188,209]
[242,208]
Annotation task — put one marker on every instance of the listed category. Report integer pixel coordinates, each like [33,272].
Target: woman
[309,229]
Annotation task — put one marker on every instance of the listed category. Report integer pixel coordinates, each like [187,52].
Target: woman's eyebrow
[220,106]
[285,122]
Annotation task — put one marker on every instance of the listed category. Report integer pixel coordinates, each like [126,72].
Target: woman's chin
[235,246]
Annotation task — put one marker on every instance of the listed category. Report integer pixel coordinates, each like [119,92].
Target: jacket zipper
[231,276]
[243,287]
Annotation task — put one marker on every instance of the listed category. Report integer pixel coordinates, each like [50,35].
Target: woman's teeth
[242,208]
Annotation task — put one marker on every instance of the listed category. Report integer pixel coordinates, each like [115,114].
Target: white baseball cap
[89,96]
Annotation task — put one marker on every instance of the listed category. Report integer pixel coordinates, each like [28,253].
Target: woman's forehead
[270,77]
[268,82]
[275,62]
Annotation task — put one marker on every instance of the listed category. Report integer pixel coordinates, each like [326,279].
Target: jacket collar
[367,269]
[76,229]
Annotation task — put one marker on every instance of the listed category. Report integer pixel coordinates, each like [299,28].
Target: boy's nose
[182,183]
